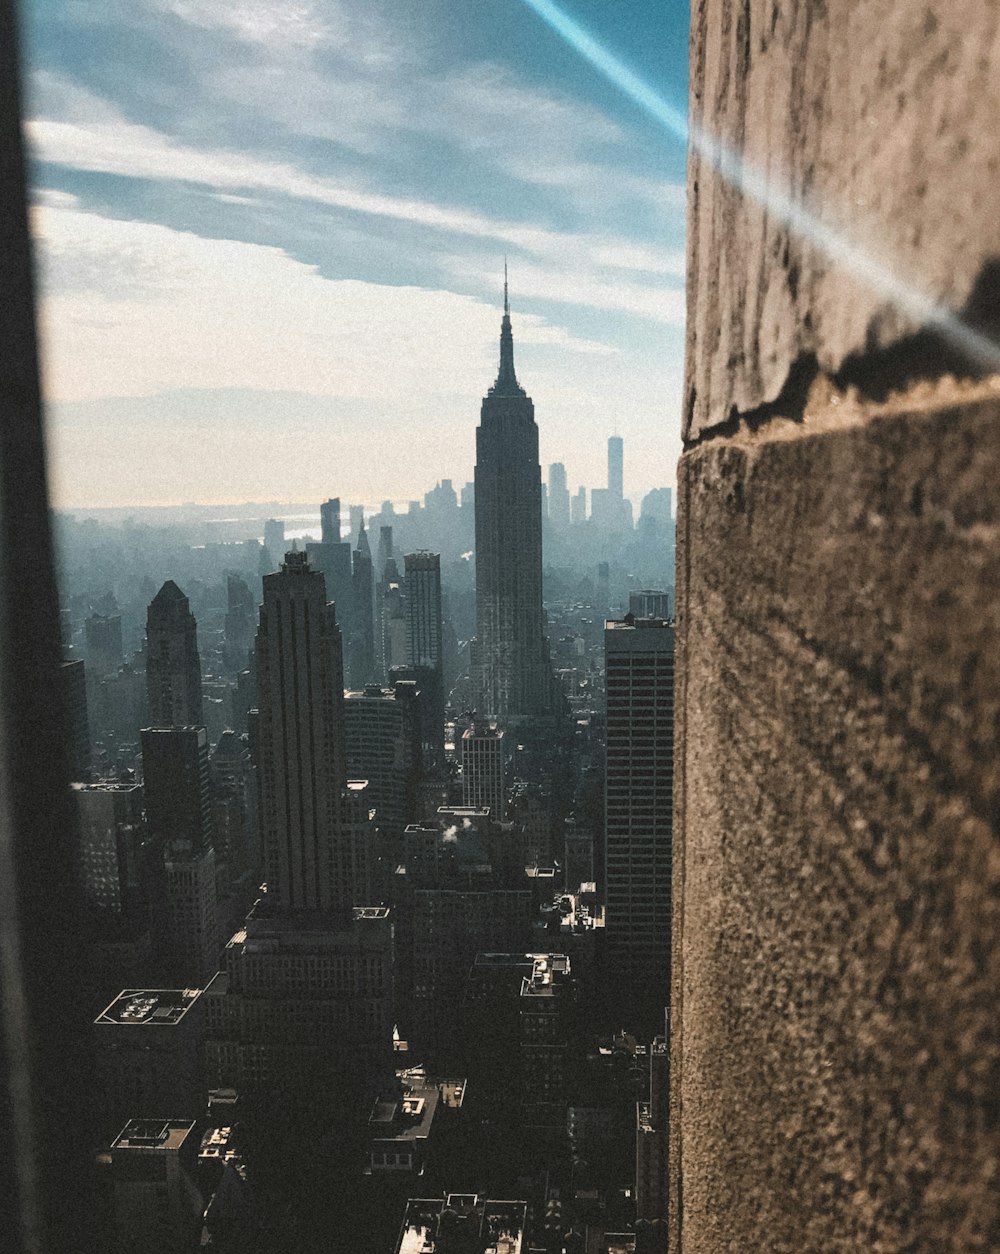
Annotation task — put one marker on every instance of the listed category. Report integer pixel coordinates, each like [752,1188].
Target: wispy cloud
[569,267]
[134,308]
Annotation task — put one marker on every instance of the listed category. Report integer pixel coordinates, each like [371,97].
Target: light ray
[778,201]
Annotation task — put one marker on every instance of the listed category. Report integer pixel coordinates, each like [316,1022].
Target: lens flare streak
[777,201]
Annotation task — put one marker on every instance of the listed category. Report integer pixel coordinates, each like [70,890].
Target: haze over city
[268,233]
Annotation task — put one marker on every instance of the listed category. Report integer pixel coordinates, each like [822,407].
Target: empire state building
[515,674]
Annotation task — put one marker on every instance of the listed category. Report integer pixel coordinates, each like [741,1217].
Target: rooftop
[487,1227]
[149,1007]
[547,972]
[153,1134]
[409,1116]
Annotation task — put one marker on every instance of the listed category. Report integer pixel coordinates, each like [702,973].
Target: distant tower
[639,664]
[274,537]
[103,636]
[616,467]
[362,636]
[578,506]
[649,603]
[558,496]
[329,518]
[425,651]
[239,626]
[173,667]
[484,774]
[385,571]
[515,678]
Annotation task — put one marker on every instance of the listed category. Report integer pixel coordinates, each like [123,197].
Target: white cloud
[258,21]
[567,260]
[132,308]
[125,148]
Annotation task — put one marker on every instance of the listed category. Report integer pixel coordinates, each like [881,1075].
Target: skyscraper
[300,741]
[425,643]
[639,658]
[307,1010]
[361,636]
[179,820]
[173,667]
[239,626]
[74,683]
[329,521]
[515,678]
[616,467]
[558,496]
[484,775]
[578,506]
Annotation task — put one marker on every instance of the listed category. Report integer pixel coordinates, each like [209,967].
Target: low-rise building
[404,1123]
[462,1221]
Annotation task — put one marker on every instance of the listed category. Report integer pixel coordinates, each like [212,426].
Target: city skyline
[348,239]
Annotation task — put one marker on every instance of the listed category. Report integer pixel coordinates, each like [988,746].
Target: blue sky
[272,235]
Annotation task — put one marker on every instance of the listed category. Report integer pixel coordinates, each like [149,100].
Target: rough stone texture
[835,1055]
[863,109]
[839,1043]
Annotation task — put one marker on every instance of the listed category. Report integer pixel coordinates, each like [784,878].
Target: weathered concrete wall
[836,1047]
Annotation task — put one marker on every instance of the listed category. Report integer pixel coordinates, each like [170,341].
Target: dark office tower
[301,755]
[329,520]
[578,506]
[112,836]
[175,768]
[639,660]
[383,747]
[484,770]
[103,637]
[383,575]
[558,496]
[75,701]
[515,680]
[616,465]
[362,638]
[173,668]
[240,624]
[425,639]
[306,1016]
[179,821]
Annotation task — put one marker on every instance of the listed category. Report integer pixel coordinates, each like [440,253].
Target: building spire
[506,384]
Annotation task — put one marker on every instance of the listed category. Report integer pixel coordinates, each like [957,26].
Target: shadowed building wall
[836,1055]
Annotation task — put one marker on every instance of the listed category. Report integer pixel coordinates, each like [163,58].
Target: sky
[271,242]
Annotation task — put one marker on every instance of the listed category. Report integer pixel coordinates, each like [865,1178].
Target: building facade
[514,675]
[639,661]
[425,637]
[173,667]
[484,770]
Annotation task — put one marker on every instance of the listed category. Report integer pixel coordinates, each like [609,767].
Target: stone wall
[836,1027]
